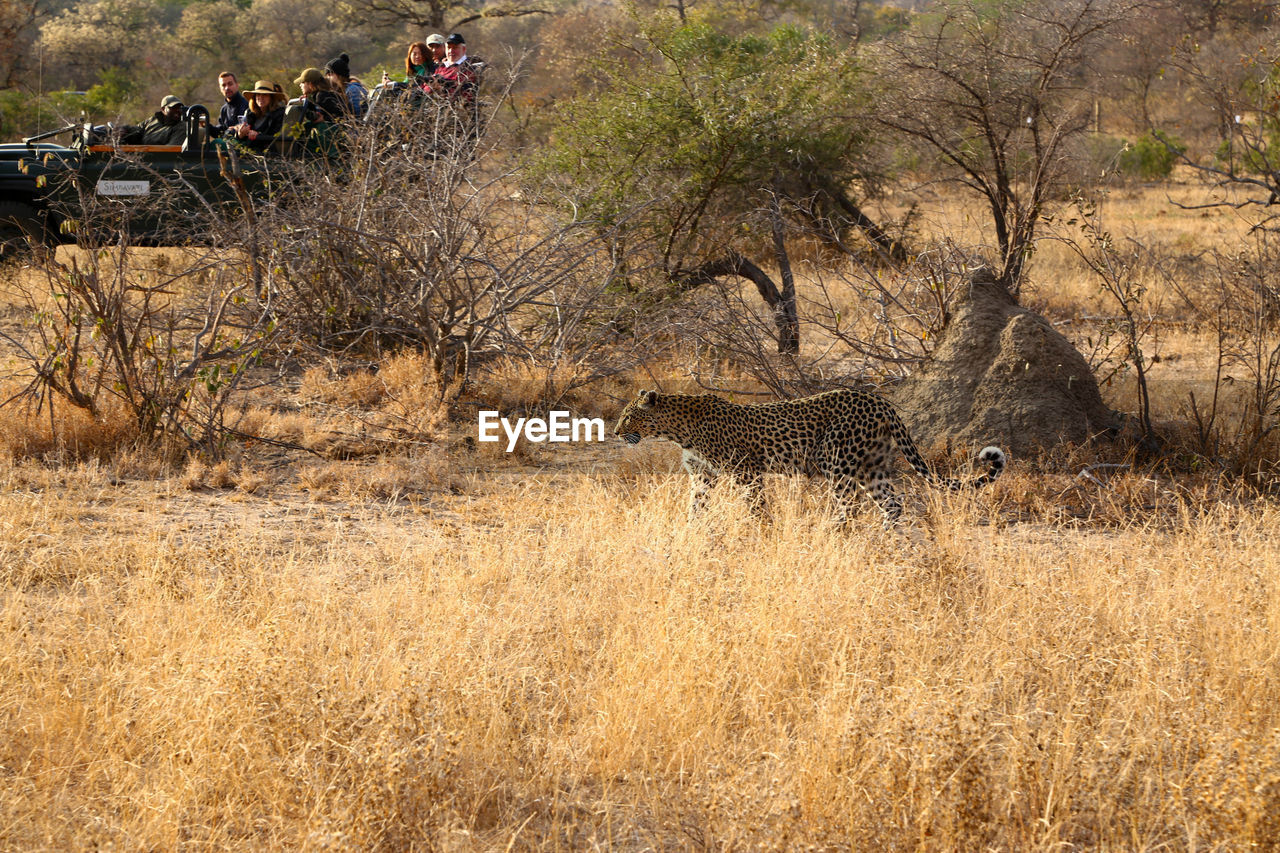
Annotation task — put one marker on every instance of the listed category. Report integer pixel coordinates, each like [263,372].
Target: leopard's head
[637,419]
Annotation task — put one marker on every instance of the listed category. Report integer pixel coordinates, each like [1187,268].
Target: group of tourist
[438,66]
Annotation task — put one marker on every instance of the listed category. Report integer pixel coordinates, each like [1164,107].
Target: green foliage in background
[26,114]
[1151,157]
[115,89]
[688,144]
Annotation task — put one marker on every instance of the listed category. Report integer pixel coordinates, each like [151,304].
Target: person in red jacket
[457,75]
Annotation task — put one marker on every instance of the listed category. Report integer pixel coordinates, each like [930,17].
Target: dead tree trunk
[787,320]
[783,303]
[888,248]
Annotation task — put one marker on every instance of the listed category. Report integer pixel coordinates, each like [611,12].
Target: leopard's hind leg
[856,460]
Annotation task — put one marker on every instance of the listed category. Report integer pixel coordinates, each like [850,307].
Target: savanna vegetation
[262,588]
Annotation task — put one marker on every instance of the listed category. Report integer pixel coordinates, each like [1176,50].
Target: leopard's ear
[648,399]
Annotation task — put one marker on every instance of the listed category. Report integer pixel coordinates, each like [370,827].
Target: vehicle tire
[22,229]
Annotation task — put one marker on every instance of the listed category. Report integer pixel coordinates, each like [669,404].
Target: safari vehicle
[49,192]
[24,216]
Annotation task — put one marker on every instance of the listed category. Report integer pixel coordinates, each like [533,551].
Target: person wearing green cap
[319,101]
[164,128]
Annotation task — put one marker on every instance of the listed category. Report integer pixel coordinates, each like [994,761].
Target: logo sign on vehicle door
[124,187]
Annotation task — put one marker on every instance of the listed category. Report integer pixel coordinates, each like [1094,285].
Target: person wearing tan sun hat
[262,123]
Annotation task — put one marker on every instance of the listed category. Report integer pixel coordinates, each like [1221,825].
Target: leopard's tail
[993,456]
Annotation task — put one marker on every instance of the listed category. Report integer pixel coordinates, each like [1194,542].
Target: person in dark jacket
[166,127]
[322,103]
[235,107]
[338,70]
[262,123]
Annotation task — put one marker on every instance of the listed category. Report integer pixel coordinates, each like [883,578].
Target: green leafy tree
[109,96]
[1151,158]
[705,149]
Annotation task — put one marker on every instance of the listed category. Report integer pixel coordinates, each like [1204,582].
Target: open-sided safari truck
[159,194]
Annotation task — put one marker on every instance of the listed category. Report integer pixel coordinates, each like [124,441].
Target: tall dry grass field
[578,666]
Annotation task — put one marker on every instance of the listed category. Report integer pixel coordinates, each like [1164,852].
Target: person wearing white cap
[435,44]
[457,76]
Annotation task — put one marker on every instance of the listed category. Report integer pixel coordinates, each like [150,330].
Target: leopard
[846,436]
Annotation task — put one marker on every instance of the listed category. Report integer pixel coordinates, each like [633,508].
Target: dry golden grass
[70,433]
[406,640]
[576,665]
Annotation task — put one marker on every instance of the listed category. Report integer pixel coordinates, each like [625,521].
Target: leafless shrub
[997,93]
[168,341]
[167,337]
[1239,424]
[866,325]
[1118,346]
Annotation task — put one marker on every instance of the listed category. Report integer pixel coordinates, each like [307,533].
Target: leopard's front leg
[702,478]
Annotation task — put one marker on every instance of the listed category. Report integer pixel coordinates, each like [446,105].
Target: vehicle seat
[291,130]
[197,121]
